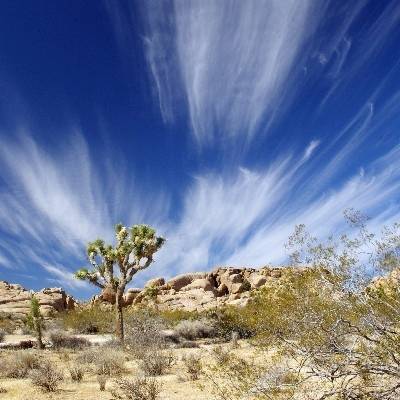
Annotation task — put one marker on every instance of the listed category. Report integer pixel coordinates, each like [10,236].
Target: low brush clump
[156,362]
[103,361]
[195,329]
[47,377]
[19,364]
[60,340]
[137,389]
[193,366]
[76,372]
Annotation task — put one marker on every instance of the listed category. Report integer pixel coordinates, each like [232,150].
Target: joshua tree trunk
[119,327]
[39,343]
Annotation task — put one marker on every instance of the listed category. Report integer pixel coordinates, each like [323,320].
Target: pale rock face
[204,284]
[15,300]
[256,280]
[183,280]
[203,291]
[156,282]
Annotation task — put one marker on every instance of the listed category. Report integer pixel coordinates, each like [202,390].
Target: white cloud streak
[52,204]
[232,59]
[245,221]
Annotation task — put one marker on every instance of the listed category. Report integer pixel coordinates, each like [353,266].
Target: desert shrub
[20,364]
[230,319]
[195,329]
[3,390]
[137,389]
[7,323]
[156,362]
[89,320]
[188,344]
[47,377]
[103,361]
[2,335]
[61,340]
[233,379]
[76,372]
[220,355]
[102,381]
[143,332]
[173,317]
[234,339]
[193,366]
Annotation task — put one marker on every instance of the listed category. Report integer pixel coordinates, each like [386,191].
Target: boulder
[156,282]
[205,284]
[108,295]
[15,300]
[257,280]
[131,295]
[183,280]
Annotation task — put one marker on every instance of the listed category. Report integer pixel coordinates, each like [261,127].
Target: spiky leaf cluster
[133,251]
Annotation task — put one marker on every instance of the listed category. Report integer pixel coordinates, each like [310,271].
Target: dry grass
[113,361]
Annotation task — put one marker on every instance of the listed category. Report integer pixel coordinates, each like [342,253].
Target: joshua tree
[114,267]
[35,321]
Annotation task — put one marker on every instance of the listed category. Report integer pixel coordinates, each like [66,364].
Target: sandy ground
[175,384]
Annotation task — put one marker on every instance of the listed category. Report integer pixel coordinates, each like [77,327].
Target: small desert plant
[154,363]
[3,389]
[234,339]
[47,377]
[195,329]
[35,321]
[104,361]
[2,335]
[193,366]
[76,372]
[60,340]
[102,380]
[220,355]
[20,364]
[137,389]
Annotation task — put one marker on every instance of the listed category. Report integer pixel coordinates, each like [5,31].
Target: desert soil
[175,384]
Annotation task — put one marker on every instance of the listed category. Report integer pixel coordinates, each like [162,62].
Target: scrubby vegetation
[88,320]
[137,389]
[321,331]
[61,340]
[47,377]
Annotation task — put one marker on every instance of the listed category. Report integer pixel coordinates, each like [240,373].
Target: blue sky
[221,123]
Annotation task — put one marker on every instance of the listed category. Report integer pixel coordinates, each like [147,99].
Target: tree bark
[119,322]
[39,343]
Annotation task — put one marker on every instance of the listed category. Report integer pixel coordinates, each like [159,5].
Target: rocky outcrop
[201,290]
[15,300]
[388,284]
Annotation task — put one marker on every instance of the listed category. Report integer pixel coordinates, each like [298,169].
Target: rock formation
[15,300]
[200,290]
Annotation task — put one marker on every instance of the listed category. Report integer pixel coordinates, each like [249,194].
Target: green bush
[89,320]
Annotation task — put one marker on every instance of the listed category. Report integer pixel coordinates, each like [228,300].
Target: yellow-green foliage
[89,320]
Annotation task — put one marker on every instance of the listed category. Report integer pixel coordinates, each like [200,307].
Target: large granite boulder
[15,300]
[183,280]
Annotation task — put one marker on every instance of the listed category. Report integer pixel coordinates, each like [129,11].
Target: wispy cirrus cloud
[230,59]
[53,202]
[246,219]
